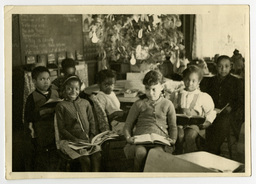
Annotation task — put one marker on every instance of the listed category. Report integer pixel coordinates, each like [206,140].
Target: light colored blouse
[204,105]
[109,103]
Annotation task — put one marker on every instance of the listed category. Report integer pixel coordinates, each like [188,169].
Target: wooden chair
[113,158]
[100,116]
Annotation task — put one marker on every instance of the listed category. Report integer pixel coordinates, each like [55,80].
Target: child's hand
[171,141]
[228,109]
[189,112]
[205,125]
[130,140]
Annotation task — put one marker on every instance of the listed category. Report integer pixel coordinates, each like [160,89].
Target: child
[224,89]
[238,64]
[76,123]
[39,129]
[192,102]
[153,114]
[108,99]
[68,68]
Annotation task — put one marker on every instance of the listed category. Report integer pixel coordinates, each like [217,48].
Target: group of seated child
[152,113]
[74,116]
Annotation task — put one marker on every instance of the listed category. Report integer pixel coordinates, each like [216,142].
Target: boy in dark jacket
[224,89]
[38,124]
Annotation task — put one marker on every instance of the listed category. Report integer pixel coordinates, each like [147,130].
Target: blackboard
[16,52]
[50,33]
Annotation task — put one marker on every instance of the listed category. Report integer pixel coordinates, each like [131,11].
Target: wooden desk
[211,161]
[159,161]
[119,87]
[122,85]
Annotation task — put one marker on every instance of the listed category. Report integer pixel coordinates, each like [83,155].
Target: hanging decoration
[133,60]
[136,38]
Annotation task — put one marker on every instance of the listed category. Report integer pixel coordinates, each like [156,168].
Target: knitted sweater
[147,115]
[75,120]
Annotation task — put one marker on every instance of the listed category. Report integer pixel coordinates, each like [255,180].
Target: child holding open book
[153,114]
[39,129]
[226,91]
[192,102]
[109,101]
[76,123]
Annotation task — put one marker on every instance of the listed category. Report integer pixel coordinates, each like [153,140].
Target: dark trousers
[46,159]
[29,153]
[217,133]
[39,158]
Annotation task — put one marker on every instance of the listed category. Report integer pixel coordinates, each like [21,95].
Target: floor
[237,153]
[115,160]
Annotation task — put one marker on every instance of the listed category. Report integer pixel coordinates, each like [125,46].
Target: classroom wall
[218,33]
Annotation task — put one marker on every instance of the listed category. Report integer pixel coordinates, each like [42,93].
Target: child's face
[43,81]
[70,71]
[153,92]
[191,82]
[224,67]
[107,86]
[72,90]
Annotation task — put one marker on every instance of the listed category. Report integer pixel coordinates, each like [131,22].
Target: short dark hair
[105,74]
[223,57]
[71,78]
[38,70]
[193,69]
[68,63]
[153,77]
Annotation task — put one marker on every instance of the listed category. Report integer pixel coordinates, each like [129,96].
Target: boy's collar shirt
[221,79]
[46,93]
[153,103]
[184,92]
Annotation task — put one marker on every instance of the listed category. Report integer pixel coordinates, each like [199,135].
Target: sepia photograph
[127,91]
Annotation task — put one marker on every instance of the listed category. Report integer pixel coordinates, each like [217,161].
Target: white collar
[191,92]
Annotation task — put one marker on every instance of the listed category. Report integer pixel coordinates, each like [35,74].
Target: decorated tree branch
[136,38]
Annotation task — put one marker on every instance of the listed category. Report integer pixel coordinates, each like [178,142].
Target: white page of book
[142,138]
[160,138]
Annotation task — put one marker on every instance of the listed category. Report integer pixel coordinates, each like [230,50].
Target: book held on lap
[151,139]
[86,148]
[183,119]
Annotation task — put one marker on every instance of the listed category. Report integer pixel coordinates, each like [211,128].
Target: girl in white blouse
[192,102]
[109,101]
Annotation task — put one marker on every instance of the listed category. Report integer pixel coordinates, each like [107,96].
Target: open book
[183,119]
[52,102]
[49,106]
[220,110]
[151,139]
[94,146]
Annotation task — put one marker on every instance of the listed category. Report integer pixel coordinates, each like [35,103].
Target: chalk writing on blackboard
[43,34]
